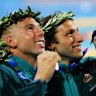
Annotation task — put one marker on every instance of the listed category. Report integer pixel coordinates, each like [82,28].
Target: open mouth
[77,47]
[41,43]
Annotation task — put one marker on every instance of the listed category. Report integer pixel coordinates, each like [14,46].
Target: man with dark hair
[23,59]
[73,78]
[94,38]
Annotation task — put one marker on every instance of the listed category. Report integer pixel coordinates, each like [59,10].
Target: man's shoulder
[88,62]
[5,67]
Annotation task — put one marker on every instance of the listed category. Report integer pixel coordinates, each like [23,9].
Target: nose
[40,32]
[78,37]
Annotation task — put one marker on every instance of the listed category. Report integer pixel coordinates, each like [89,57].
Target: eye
[70,32]
[30,28]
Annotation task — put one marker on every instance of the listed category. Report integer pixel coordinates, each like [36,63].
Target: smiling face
[69,41]
[28,38]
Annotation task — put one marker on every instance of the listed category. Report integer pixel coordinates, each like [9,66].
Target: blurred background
[83,9]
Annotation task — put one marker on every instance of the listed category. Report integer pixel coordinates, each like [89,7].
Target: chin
[40,51]
[78,56]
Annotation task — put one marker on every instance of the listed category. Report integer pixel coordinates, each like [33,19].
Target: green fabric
[89,67]
[27,69]
[12,85]
[69,83]
[70,87]
[62,83]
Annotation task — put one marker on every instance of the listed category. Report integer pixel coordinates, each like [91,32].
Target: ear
[52,47]
[10,41]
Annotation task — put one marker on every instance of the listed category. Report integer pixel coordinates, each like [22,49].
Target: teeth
[39,43]
[78,47]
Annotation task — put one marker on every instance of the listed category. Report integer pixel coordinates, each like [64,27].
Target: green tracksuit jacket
[81,81]
[11,84]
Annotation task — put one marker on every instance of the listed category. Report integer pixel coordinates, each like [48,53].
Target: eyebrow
[29,25]
[74,29]
[32,25]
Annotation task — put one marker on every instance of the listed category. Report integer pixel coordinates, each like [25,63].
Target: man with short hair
[62,36]
[25,66]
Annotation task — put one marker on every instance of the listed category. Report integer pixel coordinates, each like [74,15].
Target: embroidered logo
[87,77]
